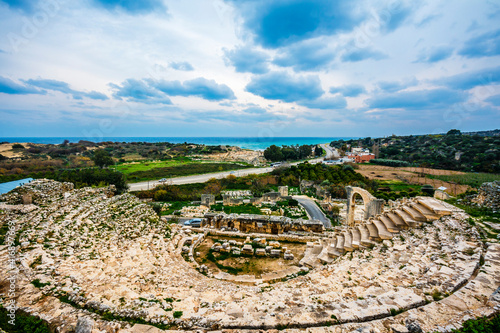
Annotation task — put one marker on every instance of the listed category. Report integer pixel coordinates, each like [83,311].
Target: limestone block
[260,252]
[247,249]
[275,244]
[275,253]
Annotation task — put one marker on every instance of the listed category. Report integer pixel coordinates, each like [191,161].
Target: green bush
[92,177]
[24,323]
[481,325]
[177,314]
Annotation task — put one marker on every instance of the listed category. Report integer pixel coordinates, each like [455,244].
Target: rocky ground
[86,259]
[236,154]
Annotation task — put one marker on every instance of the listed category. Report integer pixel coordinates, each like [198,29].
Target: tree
[102,158]
[273,153]
[318,151]
[454,132]
[304,151]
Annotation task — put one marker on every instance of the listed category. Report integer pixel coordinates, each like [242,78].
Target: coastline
[253,143]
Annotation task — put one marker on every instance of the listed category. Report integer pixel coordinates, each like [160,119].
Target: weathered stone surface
[399,329]
[84,325]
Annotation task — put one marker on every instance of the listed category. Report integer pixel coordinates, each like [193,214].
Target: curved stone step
[434,205]
[332,251]
[365,236]
[324,256]
[348,241]
[356,238]
[388,223]
[340,244]
[372,229]
[317,249]
[311,257]
[429,214]
[382,230]
[397,220]
[415,215]
[407,218]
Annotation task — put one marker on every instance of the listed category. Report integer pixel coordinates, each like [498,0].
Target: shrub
[392,163]
[177,314]
[39,284]
[24,323]
[483,325]
[17,146]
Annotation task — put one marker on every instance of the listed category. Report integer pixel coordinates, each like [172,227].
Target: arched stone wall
[373,206]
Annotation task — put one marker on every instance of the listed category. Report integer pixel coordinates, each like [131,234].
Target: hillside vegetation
[451,151]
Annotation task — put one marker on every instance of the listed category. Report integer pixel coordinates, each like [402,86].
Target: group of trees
[117,150]
[318,173]
[91,177]
[291,153]
[78,171]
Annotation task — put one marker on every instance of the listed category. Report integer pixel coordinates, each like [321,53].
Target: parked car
[195,223]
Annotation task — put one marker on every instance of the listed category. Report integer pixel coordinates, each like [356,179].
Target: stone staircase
[410,213]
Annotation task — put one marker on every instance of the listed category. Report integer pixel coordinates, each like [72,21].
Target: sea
[254,143]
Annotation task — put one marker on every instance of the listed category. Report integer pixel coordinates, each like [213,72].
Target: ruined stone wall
[207,199]
[262,224]
[489,196]
[279,238]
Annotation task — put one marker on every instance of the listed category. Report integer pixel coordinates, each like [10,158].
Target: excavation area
[234,260]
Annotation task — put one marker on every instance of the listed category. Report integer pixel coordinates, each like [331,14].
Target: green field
[398,186]
[128,168]
[472,179]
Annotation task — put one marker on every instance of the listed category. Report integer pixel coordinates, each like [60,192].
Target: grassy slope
[128,168]
[471,179]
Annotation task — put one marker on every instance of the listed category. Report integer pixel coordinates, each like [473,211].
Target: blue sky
[100,68]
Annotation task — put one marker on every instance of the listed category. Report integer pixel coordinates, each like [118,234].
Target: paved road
[331,153]
[313,210]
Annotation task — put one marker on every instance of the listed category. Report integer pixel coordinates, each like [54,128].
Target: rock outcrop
[489,196]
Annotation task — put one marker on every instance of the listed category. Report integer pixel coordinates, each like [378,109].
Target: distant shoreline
[254,143]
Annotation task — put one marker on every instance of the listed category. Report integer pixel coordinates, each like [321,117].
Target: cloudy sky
[248,68]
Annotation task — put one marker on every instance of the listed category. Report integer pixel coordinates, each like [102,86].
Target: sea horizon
[254,143]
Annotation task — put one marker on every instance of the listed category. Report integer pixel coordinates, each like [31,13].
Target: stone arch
[373,206]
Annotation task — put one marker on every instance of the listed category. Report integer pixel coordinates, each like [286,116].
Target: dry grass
[412,175]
